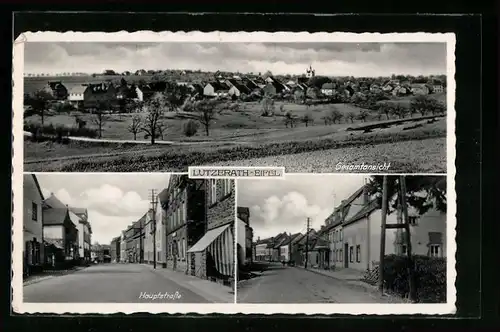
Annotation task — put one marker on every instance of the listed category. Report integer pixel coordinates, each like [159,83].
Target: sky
[284,205]
[329,59]
[113,201]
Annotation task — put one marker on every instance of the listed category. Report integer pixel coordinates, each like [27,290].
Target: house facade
[261,251]
[84,233]
[60,235]
[33,249]
[58,90]
[245,234]
[185,219]
[76,96]
[123,247]
[328,89]
[420,89]
[97,94]
[216,89]
[212,256]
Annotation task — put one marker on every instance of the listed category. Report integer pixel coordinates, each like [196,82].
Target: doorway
[346,254]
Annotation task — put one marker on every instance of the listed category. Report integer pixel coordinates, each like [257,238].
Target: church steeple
[310,72]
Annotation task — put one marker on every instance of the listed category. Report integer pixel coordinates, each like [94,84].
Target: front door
[346,255]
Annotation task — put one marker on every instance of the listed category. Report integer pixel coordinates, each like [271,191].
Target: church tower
[310,72]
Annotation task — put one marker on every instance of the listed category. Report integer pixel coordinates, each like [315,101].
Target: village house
[58,90]
[375,88]
[76,96]
[185,219]
[362,226]
[114,250]
[401,91]
[303,244]
[149,244]
[216,89]
[60,233]
[95,95]
[286,247]
[129,244]
[437,88]
[420,89]
[215,250]
[146,91]
[334,229]
[138,240]
[274,87]
[328,89]
[84,234]
[245,235]
[276,243]
[33,249]
[238,88]
[123,247]
[261,250]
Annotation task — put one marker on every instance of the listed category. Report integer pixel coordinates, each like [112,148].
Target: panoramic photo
[317,239]
[310,107]
[118,238]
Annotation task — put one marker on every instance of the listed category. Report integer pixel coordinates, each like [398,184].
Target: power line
[307,241]
[153,201]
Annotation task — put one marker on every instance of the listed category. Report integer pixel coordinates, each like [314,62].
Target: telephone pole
[382,236]
[307,241]
[411,267]
[153,220]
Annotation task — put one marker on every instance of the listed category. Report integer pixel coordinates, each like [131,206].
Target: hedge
[430,277]
[39,131]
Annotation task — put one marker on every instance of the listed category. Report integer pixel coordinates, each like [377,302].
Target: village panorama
[169,119]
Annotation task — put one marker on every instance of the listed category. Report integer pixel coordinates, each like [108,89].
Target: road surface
[119,283]
[297,285]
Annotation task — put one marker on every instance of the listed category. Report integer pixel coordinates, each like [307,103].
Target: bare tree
[268,106]
[152,121]
[307,118]
[135,126]
[385,109]
[39,104]
[335,115]
[289,119]
[363,115]
[100,115]
[351,116]
[207,112]
[399,111]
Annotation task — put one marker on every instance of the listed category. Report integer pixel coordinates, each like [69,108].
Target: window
[213,191]
[413,220]
[34,211]
[404,249]
[341,235]
[435,250]
[341,256]
[358,253]
[227,186]
[351,254]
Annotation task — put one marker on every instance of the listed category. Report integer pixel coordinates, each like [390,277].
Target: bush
[58,132]
[191,128]
[430,277]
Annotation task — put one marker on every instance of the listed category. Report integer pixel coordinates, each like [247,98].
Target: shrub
[58,132]
[430,277]
[190,128]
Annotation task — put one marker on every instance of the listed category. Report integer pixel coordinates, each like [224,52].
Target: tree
[385,109]
[135,126]
[39,104]
[422,104]
[399,111]
[152,122]
[423,192]
[351,116]
[335,115]
[307,118]
[207,111]
[363,114]
[289,119]
[267,106]
[100,115]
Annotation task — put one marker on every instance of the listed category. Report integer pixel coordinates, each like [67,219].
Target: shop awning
[208,238]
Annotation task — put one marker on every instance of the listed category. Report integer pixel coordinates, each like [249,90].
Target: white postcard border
[309,309]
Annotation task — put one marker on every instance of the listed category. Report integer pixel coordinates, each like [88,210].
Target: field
[406,101]
[379,146]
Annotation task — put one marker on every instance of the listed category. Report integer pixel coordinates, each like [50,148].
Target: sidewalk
[49,274]
[212,291]
[352,277]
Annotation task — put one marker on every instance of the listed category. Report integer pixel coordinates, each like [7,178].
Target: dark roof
[54,202]
[218,86]
[365,210]
[38,186]
[55,216]
[77,89]
[99,88]
[328,86]
[292,238]
[243,209]
[240,86]
[250,84]
[198,88]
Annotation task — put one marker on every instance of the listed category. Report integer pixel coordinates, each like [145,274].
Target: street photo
[345,239]
[126,238]
[354,104]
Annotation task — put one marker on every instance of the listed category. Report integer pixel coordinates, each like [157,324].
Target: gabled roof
[219,86]
[291,239]
[55,216]
[328,86]
[35,180]
[99,88]
[365,210]
[54,202]
[77,89]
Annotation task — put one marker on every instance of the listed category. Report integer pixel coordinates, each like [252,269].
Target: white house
[437,88]
[261,252]
[328,89]
[139,93]
[33,249]
[75,95]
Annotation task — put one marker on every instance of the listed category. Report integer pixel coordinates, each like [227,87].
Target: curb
[27,283]
[196,290]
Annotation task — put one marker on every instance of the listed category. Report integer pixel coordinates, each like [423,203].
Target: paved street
[122,283]
[295,285]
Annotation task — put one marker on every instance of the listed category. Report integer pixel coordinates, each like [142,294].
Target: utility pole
[153,220]
[307,241]
[382,237]
[411,267]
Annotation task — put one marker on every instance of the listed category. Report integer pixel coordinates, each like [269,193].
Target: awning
[208,238]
